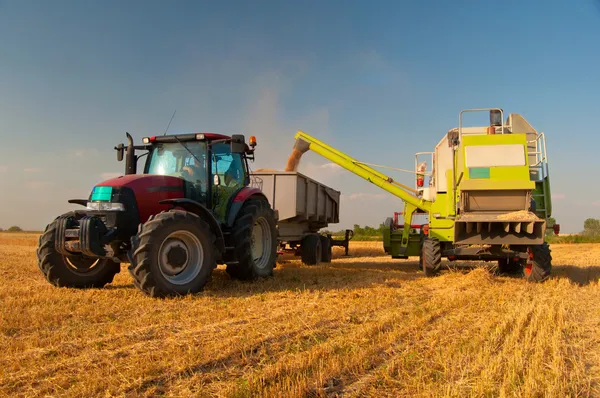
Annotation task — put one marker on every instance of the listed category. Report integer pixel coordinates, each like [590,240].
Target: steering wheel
[188,170]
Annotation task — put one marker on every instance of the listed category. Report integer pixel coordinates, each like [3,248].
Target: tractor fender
[197,208]
[239,199]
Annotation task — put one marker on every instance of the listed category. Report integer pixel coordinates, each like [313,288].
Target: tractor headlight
[105,206]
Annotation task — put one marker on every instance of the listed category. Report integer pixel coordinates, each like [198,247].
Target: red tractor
[190,210]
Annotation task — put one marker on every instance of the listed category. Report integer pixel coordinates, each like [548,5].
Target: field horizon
[365,325]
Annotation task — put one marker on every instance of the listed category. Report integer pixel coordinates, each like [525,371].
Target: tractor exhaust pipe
[130,159]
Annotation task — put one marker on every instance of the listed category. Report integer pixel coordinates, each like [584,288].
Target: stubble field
[365,325]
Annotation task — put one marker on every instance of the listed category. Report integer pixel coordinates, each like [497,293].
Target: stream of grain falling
[293,160]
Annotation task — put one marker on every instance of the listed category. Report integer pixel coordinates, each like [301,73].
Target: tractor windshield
[173,159]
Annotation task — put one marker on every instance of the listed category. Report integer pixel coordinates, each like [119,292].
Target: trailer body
[304,206]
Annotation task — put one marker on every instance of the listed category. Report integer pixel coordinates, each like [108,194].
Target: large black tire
[254,223]
[173,254]
[431,256]
[325,249]
[312,249]
[539,266]
[75,271]
[508,266]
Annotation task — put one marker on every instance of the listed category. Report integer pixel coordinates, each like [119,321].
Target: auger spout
[305,142]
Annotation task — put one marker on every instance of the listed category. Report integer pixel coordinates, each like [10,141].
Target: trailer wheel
[254,236]
[312,249]
[173,254]
[431,256]
[75,271]
[325,249]
[539,264]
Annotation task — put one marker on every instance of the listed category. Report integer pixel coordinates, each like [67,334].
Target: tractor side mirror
[238,143]
[120,149]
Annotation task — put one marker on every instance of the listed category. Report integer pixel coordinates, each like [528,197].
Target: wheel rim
[81,265]
[180,257]
[261,242]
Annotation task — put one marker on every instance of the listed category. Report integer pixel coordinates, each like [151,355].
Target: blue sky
[379,80]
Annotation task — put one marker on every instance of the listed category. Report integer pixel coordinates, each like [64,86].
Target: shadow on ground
[578,275]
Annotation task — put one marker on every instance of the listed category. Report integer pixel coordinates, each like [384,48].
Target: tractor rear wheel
[76,271]
[431,256]
[539,264]
[312,249]
[254,237]
[325,249]
[173,254]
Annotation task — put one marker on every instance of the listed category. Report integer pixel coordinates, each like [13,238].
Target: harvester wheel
[539,264]
[431,256]
[509,266]
[173,254]
[254,236]
[325,249]
[76,271]
[312,249]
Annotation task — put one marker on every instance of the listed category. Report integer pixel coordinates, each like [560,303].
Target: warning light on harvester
[495,117]
[556,228]
[252,141]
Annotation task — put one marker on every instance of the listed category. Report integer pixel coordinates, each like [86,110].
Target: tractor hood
[140,191]
[144,182]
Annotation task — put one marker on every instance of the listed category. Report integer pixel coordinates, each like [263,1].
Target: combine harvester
[488,197]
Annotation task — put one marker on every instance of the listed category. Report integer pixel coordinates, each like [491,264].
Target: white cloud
[364,196]
[596,203]
[558,196]
[3,169]
[38,184]
[32,170]
[109,175]
[84,153]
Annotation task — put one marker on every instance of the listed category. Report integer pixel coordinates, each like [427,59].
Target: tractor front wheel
[173,254]
[75,271]
[539,264]
[254,237]
[431,256]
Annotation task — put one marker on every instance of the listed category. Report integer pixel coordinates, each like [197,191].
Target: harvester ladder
[539,173]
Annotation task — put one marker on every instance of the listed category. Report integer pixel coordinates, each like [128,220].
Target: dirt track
[364,326]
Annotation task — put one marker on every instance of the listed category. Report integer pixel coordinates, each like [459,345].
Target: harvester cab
[482,194]
[190,209]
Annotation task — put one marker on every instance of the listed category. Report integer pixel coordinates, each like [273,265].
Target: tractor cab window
[227,166]
[173,159]
[228,175]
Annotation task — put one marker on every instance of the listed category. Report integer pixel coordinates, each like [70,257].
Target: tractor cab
[213,167]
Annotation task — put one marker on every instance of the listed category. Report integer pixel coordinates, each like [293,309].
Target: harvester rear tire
[256,220]
[325,249]
[75,271]
[312,249]
[194,244]
[431,256]
[539,265]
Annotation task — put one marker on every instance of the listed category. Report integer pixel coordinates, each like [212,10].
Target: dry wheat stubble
[363,326]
